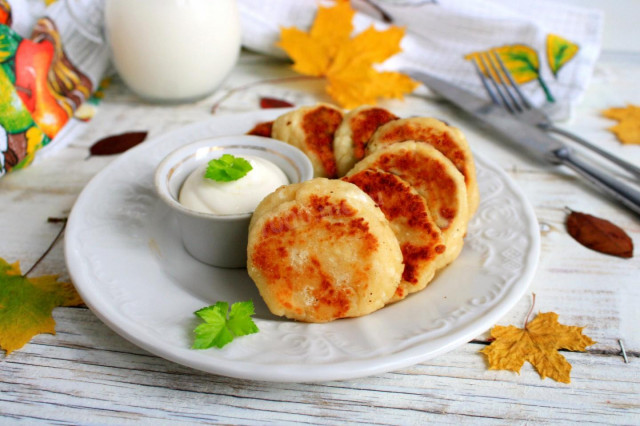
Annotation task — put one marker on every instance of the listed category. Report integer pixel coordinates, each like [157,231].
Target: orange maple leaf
[26,305]
[537,343]
[347,63]
[628,128]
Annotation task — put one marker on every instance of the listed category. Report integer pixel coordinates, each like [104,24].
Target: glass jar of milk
[173,50]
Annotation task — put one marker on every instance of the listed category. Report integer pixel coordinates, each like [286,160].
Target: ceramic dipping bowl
[221,239]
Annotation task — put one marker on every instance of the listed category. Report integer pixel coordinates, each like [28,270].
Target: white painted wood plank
[87,373]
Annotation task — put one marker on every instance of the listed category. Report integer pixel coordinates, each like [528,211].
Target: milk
[173,50]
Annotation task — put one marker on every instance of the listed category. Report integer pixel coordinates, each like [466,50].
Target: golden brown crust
[420,239]
[448,140]
[321,250]
[311,129]
[436,179]
[354,133]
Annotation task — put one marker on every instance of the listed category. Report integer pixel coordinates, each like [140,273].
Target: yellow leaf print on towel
[559,52]
[521,60]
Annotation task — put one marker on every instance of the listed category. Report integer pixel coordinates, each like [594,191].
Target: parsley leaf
[217,330]
[240,322]
[227,168]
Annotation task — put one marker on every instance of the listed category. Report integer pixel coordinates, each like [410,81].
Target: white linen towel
[440,33]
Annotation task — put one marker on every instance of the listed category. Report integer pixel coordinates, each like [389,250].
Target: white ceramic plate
[126,260]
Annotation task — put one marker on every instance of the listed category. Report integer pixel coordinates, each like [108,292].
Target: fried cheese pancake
[354,133]
[322,250]
[312,130]
[420,239]
[448,140]
[435,178]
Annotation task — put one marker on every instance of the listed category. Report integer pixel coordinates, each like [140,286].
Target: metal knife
[534,140]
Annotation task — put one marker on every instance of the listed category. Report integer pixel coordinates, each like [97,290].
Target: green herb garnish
[227,168]
[218,330]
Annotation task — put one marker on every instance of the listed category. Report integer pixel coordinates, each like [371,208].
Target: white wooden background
[88,374]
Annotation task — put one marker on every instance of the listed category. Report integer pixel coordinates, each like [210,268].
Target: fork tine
[496,85]
[515,86]
[493,58]
[485,83]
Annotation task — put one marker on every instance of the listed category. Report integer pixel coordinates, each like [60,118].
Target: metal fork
[504,91]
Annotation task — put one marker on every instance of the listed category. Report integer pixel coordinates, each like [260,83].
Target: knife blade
[534,140]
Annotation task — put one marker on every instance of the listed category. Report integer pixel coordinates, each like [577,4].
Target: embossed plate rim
[416,349]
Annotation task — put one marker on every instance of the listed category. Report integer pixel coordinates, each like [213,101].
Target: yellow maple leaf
[628,128]
[347,63]
[537,343]
[26,305]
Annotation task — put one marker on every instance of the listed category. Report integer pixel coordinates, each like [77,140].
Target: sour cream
[239,196]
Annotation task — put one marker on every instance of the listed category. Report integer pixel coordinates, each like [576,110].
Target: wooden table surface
[86,373]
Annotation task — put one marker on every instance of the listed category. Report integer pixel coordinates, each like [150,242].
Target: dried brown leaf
[117,144]
[266,103]
[262,129]
[599,235]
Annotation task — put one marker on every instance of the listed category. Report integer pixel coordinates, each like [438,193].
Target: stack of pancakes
[388,208]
